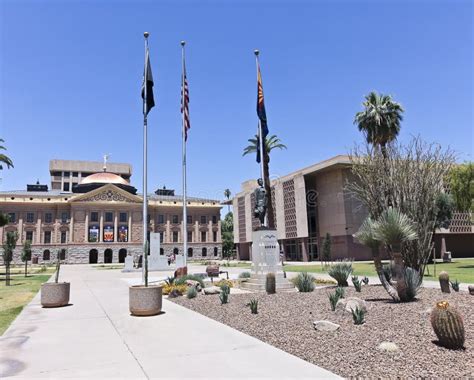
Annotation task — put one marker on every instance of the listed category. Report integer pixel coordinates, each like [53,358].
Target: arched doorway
[175,251]
[216,251]
[46,255]
[93,256]
[190,252]
[122,255]
[108,256]
[204,252]
[162,251]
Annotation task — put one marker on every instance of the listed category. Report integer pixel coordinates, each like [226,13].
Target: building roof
[104,177]
[88,166]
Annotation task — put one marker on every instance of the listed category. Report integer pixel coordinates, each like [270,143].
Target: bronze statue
[260,202]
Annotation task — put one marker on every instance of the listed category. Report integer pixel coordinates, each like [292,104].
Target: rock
[180,272]
[194,284]
[212,290]
[388,347]
[349,304]
[326,326]
[471,290]
[175,293]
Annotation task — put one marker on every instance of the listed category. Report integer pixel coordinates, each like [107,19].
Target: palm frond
[394,228]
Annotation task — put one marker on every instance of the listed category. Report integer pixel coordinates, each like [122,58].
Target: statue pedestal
[266,259]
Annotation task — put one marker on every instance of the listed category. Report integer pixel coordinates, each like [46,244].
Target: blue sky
[71,75]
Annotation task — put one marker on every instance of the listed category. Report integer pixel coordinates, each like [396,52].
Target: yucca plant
[191,292]
[224,294]
[341,272]
[245,275]
[340,291]
[409,286]
[358,315]
[357,283]
[253,306]
[333,298]
[455,285]
[365,280]
[304,282]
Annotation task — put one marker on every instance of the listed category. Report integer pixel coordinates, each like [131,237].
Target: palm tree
[380,120]
[271,142]
[227,194]
[4,159]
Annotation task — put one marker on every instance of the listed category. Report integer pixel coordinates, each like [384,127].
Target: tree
[8,248]
[380,120]
[326,249]
[4,159]
[271,143]
[461,182]
[227,194]
[26,254]
[444,210]
[228,235]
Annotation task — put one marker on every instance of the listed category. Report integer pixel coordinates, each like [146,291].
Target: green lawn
[14,297]
[460,269]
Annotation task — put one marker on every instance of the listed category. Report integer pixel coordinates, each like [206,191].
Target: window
[189,219]
[46,255]
[190,236]
[66,186]
[48,217]
[203,236]
[203,219]
[162,236]
[204,252]
[161,219]
[214,219]
[94,216]
[30,217]
[64,217]
[74,174]
[12,217]
[175,251]
[175,219]
[214,236]
[63,237]
[123,217]
[162,251]
[216,251]
[29,236]
[109,217]
[47,237]
[190,252]
[62,254]
[67,174]
[175,236]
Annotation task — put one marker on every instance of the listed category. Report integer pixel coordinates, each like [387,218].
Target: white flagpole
[262,176]
[145,168]
[185,217]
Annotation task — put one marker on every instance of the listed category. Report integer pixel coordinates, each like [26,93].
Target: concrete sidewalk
[96,337]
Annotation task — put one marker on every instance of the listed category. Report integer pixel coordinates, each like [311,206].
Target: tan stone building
[100,220]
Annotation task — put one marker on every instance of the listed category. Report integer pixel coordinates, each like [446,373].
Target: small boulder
[194,284]
[349,304]
[175,293]
[180,272]
[211,290]
[388,347]
[326,326]
[471,289]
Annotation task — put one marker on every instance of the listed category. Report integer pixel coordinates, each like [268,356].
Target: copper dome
[104,177]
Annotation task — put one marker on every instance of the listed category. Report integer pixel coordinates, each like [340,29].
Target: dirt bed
[285,320]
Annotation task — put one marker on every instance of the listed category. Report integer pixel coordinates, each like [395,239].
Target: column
[304,249]
[219,232]
[101,226]
[86,228]
[129,237]
[196,232]
[209,231]
[168,232]
[62,181]
[20,229]
[115,226]
[57,239]
[38,229]
[71,228]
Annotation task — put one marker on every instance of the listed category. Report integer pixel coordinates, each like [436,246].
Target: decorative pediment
[107,193]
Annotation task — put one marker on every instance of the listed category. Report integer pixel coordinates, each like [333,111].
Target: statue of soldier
[260,202]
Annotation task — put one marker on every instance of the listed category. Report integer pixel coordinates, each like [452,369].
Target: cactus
[224,295]
[253,306]
[358,315]
[455,285]
[444,282]
[357,283]
[340,291]
[448,325]
[270,283]
[333,298]
[365,280]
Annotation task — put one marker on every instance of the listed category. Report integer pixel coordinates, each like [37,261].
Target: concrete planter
[55,294]
[145,301]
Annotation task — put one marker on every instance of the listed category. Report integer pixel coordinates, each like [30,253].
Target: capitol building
[93,214]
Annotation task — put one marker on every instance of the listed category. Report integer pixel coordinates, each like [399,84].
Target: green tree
[26,254]
[4,159]
[444,210]
[461,182]
[228,235]
[227,194]
[380,120]
[8,248]
[271,142]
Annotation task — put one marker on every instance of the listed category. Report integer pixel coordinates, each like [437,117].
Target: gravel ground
[285,320]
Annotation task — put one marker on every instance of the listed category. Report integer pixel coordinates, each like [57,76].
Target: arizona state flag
[149,102]
[262,115]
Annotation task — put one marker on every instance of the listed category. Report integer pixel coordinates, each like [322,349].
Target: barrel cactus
[448,325]
[444,282]
[270,283]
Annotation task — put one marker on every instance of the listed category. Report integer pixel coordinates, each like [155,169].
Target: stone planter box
[145,301]
[55,294]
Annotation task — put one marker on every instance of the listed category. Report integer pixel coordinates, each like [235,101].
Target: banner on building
[94,234]
[123,234]
[108,234]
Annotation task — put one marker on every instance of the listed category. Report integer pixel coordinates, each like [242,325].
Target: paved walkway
[96,337]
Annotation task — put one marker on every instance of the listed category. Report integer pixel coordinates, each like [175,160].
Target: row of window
[109,217]
[190,236]
[189,218]
[30,217]
[47,236]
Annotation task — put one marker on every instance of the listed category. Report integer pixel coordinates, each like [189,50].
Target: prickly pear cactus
[444,282]
[270,283]
[448,325]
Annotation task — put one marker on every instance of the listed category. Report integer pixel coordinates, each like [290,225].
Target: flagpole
[145,170]
[185,217]
[262,176]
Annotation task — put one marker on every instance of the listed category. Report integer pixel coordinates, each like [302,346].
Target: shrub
[170,280]
[167,289]
[340,291]
[324,281]
[245,275]
[410,285]
[341,272]
[253,306]
[455,285]
[357,284]
[270,283]
[358,315]
[191,292]
[333,298]
[192,277]
[365,280]
[43,268]
[224,294]
[223,282]
[304,282]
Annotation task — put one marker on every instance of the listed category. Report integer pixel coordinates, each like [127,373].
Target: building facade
[311,202]
[100,221]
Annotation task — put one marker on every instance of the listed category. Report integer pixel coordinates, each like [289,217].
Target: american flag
[185,102]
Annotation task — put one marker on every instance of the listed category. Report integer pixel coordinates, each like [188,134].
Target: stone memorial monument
[155,260]
[128,264]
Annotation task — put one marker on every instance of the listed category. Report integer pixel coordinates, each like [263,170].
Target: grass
[460,269]
[21,291]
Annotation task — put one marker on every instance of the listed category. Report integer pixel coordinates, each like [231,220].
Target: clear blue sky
[71,76]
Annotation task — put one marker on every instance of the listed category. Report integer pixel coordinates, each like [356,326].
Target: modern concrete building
[100,221]
[311,202]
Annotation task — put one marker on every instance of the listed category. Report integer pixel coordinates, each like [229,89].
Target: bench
[214,271]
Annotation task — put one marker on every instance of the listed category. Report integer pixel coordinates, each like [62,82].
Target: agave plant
[394,228]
